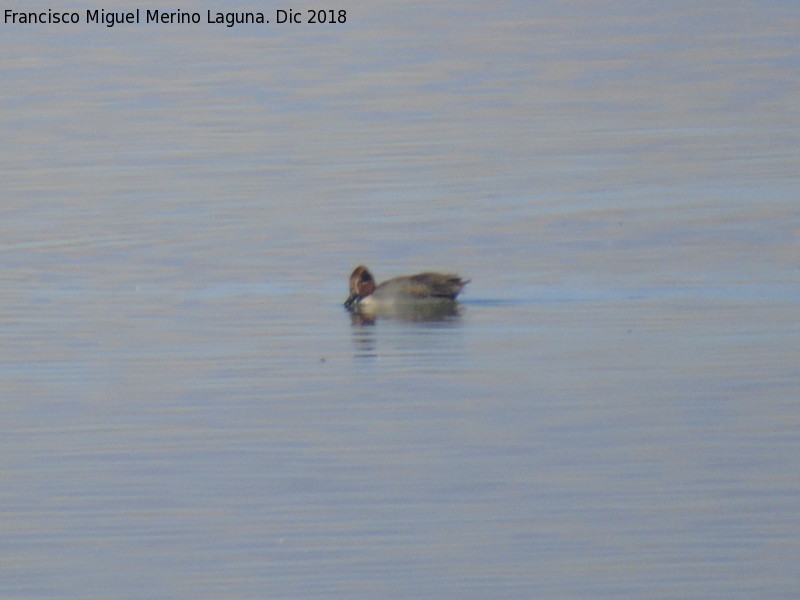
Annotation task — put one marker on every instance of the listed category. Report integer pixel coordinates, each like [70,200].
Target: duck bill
[350,300]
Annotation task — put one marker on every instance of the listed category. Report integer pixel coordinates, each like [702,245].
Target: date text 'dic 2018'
[311,16]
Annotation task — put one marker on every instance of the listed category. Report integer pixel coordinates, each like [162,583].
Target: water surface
[188,410]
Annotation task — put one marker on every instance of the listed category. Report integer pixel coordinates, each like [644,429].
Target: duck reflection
[430,312]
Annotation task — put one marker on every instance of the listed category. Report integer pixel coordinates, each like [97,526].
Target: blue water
[189,412]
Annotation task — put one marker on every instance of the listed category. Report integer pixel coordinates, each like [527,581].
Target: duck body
[436,289]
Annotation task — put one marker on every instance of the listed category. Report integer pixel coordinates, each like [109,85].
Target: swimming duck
[423,288]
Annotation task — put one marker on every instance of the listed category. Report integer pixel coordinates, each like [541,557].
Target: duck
[429,288]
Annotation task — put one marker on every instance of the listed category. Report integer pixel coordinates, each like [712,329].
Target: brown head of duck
[362,284]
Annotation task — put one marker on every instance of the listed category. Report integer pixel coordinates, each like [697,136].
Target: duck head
[362,284]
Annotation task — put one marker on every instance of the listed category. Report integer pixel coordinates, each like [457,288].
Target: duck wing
[436,285]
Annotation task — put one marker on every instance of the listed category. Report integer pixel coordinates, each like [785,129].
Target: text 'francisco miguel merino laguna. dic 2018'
[229,19]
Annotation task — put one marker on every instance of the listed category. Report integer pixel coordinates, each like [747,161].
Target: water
[188,411]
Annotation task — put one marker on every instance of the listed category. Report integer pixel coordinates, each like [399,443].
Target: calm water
[188,411]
